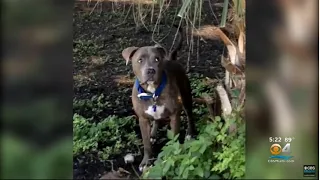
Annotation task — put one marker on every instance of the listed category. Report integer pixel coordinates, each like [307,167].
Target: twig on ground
[125,18]
[95,6]
[134,170]
[157,22]
[140,14]
[152,11]
[111,162]
[212,11]
[177,32]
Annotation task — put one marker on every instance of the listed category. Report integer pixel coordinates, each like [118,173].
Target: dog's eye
[140,60]
[156,59]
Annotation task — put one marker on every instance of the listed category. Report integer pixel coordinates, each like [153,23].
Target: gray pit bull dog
[161,90]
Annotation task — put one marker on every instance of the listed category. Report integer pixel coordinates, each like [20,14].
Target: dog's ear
[128,53]
[163,51]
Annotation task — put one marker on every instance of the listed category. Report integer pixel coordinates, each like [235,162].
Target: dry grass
[234,63]
[121,1]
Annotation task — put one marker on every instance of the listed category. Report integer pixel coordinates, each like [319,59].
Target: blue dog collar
[143,95]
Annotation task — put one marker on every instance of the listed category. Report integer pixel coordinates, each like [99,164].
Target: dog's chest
[156,111]
[164,106]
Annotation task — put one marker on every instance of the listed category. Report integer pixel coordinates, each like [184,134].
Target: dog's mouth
[149,81]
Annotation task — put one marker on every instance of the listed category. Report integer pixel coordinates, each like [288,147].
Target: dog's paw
[188,137]
[142,168]
[144,163]
[153,140]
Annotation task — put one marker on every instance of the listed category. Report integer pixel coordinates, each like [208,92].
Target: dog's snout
[151,71]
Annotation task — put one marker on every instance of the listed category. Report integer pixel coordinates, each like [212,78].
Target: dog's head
[147,62]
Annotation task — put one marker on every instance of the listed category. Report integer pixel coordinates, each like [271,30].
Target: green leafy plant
[84,48]
[198,86]
[110,137]
[214,154]
[93,106]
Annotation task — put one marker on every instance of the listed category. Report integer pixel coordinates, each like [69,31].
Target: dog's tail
[174,52]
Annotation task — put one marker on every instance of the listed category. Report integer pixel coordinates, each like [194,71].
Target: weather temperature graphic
[280,151]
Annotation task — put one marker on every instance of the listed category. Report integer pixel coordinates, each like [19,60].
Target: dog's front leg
[145,132]
[175,123]
[155,125]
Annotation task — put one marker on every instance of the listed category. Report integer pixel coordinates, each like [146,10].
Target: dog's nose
[151,71]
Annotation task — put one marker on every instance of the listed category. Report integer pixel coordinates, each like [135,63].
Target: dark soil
[99,39]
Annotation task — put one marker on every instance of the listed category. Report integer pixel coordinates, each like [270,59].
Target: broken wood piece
[225,106]
[225,102]
[121,170]
[229,66]
[209,102]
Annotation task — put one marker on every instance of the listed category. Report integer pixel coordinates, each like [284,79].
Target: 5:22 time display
[275,139]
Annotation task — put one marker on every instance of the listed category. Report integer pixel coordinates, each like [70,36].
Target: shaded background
[282,85]
[37,89]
